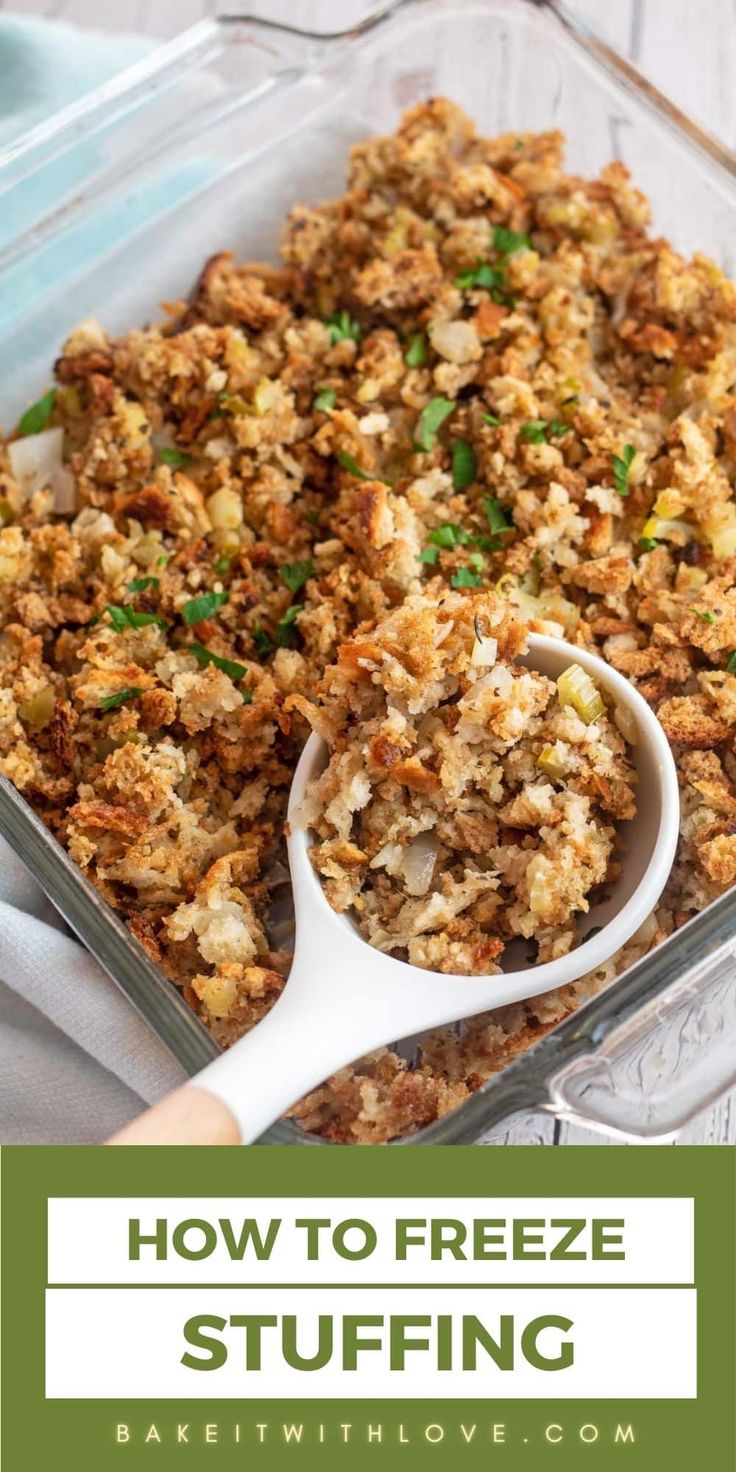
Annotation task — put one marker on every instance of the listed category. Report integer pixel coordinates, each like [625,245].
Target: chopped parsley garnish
[285,632]
[535,431]
[37,417]
[349,463]
[123,617]
[285,627]
[169,455]
[731,662]
[430,420]
[295,574]
[247,696]
[507,241]
[448,535]
[139,585]
[464,465]
[477,561]
[705,614]
[498,520]
[202,607]
[223,564]
[121,697]
[481,274]
[228,666]
[621,467]
[430,555]
[648,544]
[263,643]
[354,468]
[162,561]
[343,328]
[325,399]
[464,578]
[492,419]
[416,350]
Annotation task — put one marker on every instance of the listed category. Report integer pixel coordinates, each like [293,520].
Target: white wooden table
[687,49]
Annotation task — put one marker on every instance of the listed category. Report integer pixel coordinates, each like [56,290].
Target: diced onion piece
[36,462]
[576,688]
[38,709]
[65,492]
[418,863]
[225,508]
[625,721]
[485,651]
[265,396]
[661,529]
[550,762]
[646,932]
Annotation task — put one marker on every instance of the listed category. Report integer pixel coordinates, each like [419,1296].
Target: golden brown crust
[208,455]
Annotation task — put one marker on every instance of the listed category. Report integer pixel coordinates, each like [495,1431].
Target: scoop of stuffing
[464,802]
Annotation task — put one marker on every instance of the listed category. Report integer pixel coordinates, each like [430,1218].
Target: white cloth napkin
[76,1060]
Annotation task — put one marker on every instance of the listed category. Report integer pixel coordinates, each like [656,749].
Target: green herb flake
[498,520]
[139,585]
[431,420]
[507,241]
[296,574]
[481,274]
[169,455]
[464,465]
[247,697]
[558,427]
[195,610]
[222,565]
[261,640]
[123,617]
[121,697]
[448,535]
[416,350]
[493,420]
[705,614]
[162,561]
[349,463]
[228,666]
[621,467]
[324,400]
[430,555]
[648,544]
[464,578]
[533,432]
[285,627]
[731,662]
[343,328]
[37,417]
[477,561]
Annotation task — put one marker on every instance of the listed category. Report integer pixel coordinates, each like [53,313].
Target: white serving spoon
[343,998]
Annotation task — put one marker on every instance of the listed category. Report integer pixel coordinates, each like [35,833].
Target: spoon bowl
[344,998]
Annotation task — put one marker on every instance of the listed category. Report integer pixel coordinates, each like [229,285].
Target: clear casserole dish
[114,204]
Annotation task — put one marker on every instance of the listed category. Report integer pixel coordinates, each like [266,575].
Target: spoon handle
[237,1096]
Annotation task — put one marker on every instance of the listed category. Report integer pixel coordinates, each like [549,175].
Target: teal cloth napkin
[45,65]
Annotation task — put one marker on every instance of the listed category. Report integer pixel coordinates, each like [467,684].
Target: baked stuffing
[473,371]
[467,801]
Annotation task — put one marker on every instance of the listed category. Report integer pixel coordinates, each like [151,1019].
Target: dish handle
[648,1075]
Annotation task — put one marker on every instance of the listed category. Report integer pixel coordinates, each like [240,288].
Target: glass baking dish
[113,205]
